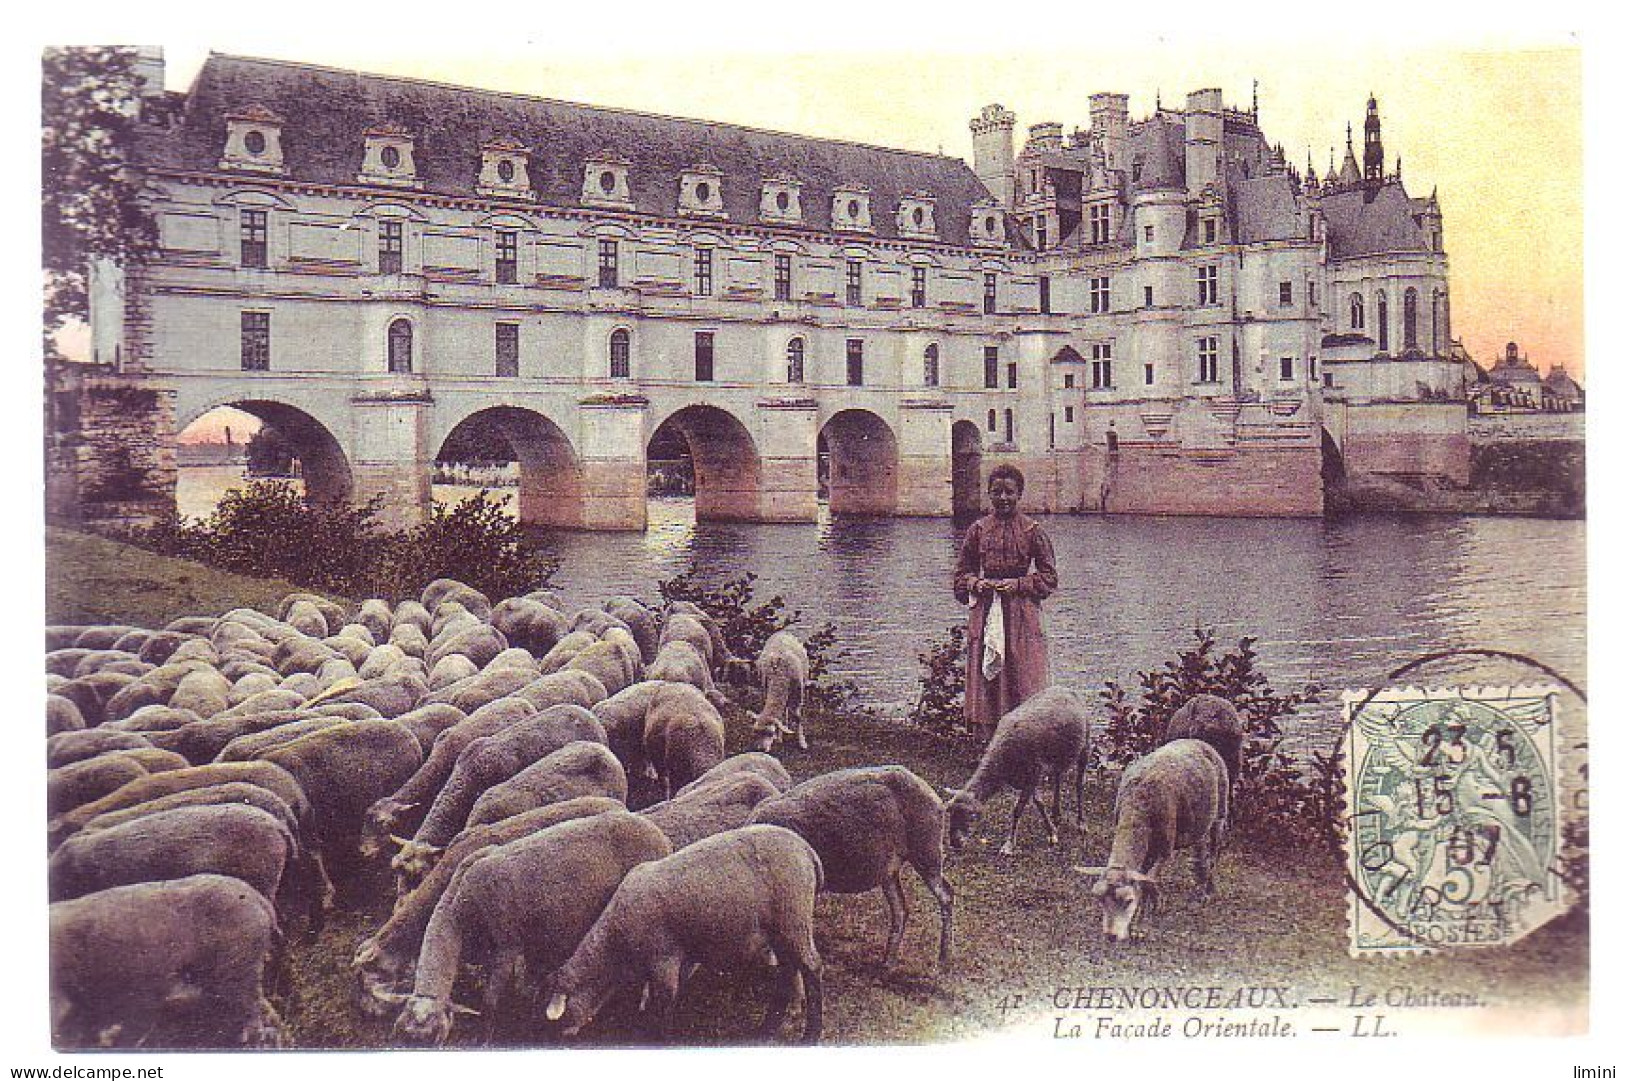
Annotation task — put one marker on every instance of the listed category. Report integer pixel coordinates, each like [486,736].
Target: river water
[1337,603]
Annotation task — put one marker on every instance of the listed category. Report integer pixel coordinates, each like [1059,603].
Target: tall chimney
[993,149]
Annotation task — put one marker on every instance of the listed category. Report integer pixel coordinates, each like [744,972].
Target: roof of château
[1560,383]
[1158,144]
[326,111]
[1266,208]
[1362,220]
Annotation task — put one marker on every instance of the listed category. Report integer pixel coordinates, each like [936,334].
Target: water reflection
[1335,603]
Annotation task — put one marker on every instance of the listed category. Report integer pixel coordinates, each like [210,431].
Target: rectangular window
[1100,366]
[1313,370]
[1041,234]
[1286,367]
[1286,294]
[1150,300]
[990,367]
[1312,298]
[1210,230]
[1043,294]
[1010,375]
[854,362]
[1207,360]
[1052,431]
[507,257]
[508,350]
[993,420]
[702,272]
[933,367]
[1150,374]
[781,277]
[256,341]
[1100,223]
[1150,233]
[1100,295]
[620,355]
[704,356]
[1070,381]
[854,282]
[916,291]
[609,264]
[253,238]
[391,243]
[1207,285]
[1009,425]
[1069,414]
[990,293]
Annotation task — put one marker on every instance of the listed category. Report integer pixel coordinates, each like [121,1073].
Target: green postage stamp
[1456,801]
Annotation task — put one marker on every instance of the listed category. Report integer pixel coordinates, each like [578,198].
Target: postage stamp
[1455,808]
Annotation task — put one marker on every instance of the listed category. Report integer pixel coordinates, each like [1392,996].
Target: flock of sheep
[218,785]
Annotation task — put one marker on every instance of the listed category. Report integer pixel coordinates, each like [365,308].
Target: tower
[1373,141]
[1108,125]
[1204,139]
[993,152]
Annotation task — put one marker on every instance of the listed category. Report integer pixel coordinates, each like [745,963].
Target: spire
[1255,99]
[1399,167]
[1373,141]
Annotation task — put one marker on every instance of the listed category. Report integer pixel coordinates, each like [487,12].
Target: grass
[1024,925]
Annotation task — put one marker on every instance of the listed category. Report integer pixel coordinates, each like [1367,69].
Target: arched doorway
[229,446]
[862,461]
[716,449]
[967,468]
[507,445]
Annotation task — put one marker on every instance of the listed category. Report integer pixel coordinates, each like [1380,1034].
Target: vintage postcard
[751,549]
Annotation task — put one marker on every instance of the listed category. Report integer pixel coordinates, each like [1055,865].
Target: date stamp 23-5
[1455,817]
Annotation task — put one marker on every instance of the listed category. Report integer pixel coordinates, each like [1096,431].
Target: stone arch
[323,464]
[862,463]
[967,468]
[550,483]
[727,465]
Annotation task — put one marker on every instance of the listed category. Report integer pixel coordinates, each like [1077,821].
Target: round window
[919,217]
[505,171]
[852,209]
[783,200]
[606,180]
[254,143]
[390,157]
[702,192]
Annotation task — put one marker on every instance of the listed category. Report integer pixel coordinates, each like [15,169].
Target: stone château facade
[1152,315]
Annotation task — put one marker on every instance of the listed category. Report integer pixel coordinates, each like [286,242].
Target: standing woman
[1005,570]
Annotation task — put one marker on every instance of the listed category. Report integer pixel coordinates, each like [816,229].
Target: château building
[1152,314]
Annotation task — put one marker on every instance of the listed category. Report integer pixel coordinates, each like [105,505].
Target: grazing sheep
[374,615]
[710,809]
[679,662]
[487,761]
[306,618]
[272,701]
[565,651]
[391,695]
[154,719]
[395,812]
[389,958]
[479,643]
[866,823]
[640,621]
[72,786]
[481,688]
[530,901]
[70,747]
[409,639]
[270,777]
[1178,796]
[613,664]
[783,670]
[189,955]
[102,637]
[160,646]
[92,693]
[1214,721]
[683,736]
[203,740]
[427,722]
[580,768]
[451,669]
[623,716]
[250,685]
[1046,734]
[529,624]
[62,716]
[254,744]
[411,613]
[332,614]
[684,627]
[301,655]
[596,622]
[765,766]
[569,687]
[377,660]
[229,839]
[739,900]
[236,792]
[441,590]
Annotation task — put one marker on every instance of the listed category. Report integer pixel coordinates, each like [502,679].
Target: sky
[1494,125]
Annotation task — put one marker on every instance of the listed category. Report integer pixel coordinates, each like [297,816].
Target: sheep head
[380,822]
[1122,894]
[425,1020]
[964,810]
[412,863]
[765,733]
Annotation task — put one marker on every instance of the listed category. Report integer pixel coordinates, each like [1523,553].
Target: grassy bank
[1024,924]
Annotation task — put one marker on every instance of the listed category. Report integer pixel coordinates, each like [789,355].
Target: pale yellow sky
[1498,133]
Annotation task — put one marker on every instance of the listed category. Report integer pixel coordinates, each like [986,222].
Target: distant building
[1514,385]
[1561,394]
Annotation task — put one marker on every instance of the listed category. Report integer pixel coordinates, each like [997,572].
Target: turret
[1044,137]
[993,150]
[1373,141]
[1204,139]
[1431,219]
[1108,122]
[1350,173]
[149,69]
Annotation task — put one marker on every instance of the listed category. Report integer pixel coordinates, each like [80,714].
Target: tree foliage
[91,205]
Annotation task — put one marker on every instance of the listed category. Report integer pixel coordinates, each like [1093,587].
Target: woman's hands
[983,586]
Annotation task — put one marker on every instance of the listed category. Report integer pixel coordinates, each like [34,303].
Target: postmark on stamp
[1455,816]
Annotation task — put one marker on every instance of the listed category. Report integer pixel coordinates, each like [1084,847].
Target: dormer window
[604,183]
[253,141]
[505,169]
[388,158]
[849,210]
[917,216]
[987,224]
[700,194]
[781,201]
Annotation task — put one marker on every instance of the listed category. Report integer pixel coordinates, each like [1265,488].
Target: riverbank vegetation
[1025,924]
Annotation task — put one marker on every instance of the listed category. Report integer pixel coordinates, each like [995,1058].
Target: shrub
[475,541]
[940,706]
[1272,793]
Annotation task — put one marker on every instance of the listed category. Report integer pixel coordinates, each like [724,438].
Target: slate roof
[327,110]
[1266,208]
[1356,225]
